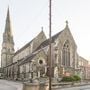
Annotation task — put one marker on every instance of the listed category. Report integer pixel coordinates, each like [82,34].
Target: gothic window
[41,67]
[66,54]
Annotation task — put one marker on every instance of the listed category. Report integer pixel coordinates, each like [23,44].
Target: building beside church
[32,60]
[84,67]
[88,72]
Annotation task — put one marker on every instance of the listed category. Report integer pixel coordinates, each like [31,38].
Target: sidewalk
[17,85]
[69,84]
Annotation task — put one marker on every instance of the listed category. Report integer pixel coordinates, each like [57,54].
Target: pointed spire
[8,32]
[8,15]
[8,23]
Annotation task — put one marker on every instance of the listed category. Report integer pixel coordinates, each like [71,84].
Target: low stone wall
[35,86]
[44,86]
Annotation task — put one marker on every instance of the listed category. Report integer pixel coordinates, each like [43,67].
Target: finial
[66,22]
[42,28]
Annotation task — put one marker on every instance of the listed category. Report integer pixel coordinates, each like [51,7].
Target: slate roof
[43,44]
[27,59]
[23,47]
[10,64]
[46,42]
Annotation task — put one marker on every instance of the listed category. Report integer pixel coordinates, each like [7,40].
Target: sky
[28,16]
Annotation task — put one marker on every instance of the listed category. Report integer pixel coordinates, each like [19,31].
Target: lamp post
[50,45]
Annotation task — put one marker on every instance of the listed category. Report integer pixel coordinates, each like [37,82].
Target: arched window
[66,54]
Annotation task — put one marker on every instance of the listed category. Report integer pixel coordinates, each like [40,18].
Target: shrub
[71,78]
[68,79]
[77,78]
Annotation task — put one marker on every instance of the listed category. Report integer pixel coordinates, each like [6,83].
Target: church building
[31,62]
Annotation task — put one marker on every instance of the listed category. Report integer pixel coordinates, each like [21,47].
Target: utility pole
[50,39]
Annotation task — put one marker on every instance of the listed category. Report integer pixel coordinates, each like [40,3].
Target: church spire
[8,15]
[8,23]
[7,51]
[7,36]
[8,30]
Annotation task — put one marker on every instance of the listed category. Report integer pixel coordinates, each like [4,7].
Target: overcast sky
[28,16]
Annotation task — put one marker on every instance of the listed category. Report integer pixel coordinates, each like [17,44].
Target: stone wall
[35,86]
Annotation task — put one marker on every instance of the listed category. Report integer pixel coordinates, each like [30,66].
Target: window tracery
[66,54]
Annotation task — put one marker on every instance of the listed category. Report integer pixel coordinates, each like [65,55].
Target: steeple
[8,15]
[8,43]
[8,23]
[7,35]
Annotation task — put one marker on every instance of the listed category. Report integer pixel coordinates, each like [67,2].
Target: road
[86,87]
[10,85]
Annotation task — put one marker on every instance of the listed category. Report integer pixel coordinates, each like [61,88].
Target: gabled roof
[25,46]
[46,42]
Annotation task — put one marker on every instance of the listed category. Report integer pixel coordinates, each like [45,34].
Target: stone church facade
[31,61]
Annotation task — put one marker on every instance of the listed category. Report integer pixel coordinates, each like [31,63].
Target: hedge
[71,78]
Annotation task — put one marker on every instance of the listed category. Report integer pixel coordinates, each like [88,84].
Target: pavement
[10,85]
[77,86]
[13,85]
[86,87]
